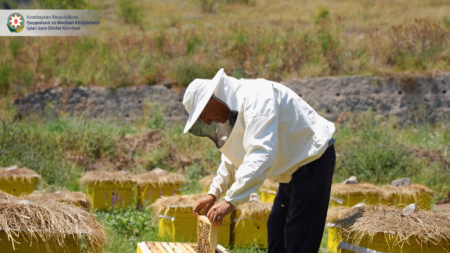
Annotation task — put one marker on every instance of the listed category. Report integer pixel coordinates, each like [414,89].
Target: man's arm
[224,179]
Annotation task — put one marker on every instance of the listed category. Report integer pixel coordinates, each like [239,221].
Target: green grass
[371,147]
[152,41]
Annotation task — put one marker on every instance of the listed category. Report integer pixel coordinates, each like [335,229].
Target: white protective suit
[271,133]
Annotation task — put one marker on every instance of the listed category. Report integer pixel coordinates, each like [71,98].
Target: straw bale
[364,189]
[207,181]
[156,178]
[270,184]
[414,190]
[15,172]
[50,221]
[424,227]
[252,209]
[64,196]
[5,196]
[180,203]
[336,213]
[102,177]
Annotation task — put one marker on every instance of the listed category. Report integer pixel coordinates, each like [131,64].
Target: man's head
[198,94]
[214,111]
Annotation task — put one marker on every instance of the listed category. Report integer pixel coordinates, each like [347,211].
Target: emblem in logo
[16,22]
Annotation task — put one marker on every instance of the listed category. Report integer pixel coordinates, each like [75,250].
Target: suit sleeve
[224,179]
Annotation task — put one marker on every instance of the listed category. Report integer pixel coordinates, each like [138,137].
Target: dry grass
[102,177]
[252,209]
[15,173]
[180,203]
[336,213]
[315,38]
[421,226]
[414,190]
[4,196]
[159,178]
[77,199]
[364,189]
[270,185]
[207,181]
[50,221]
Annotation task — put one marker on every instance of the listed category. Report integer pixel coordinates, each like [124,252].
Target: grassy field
[146,42]
[374,148]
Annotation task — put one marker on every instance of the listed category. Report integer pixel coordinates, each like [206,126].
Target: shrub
[130,11]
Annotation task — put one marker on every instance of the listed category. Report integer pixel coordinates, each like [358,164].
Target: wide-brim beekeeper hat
[197,95]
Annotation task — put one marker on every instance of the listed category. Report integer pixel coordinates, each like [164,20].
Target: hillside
[147,42]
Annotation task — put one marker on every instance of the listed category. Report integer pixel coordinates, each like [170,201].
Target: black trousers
[298,215]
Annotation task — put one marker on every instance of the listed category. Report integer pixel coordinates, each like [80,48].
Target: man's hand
[218,212]
[204,204]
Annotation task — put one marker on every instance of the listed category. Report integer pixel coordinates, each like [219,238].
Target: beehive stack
[65,229]
[109,189]
[402,196]
[334,230]
[352,194]
[157,183]
[18,181]
[206,182]
[249,224]
[390,229]
[77,199]
[269,190]
[177,221]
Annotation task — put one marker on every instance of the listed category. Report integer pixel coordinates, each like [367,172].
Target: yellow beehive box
[390,229]
[77,199]
[334,230]
[269,190]
[352,194]
[157,183]
[178,223]
[18,181]
[109,189]
[206,182]
[249,224]
[65,229]
[402,196]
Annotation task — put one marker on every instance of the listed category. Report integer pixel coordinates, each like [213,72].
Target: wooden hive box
[390,229]
[334,230]
[404,195]
[22,244]
[352,194]
[109,189]
[172,247]
[177,222]
[18,181]
[156,184]
[249,224]
[269,191]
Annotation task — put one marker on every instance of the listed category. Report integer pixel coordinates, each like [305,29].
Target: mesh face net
[216,132]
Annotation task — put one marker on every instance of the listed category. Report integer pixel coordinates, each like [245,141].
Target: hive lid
[159,177]
[18,173]
[101,177]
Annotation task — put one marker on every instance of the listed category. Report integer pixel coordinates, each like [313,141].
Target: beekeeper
[265,130]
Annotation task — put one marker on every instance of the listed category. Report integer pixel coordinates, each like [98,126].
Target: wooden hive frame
[172,247]
[206,235]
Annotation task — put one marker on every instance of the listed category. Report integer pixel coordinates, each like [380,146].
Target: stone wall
[407,97]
